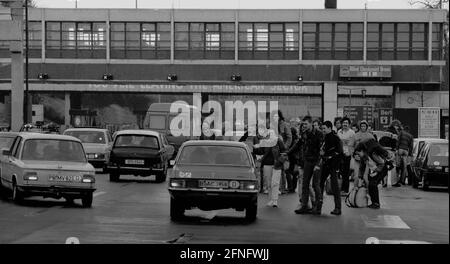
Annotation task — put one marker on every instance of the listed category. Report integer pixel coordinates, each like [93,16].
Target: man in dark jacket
[331,152]
[405,145]
[311,155]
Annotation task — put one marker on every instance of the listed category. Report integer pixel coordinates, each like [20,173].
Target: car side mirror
[6,152]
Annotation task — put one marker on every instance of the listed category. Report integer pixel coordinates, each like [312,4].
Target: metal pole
[26,112]
[350,96]
[136,3]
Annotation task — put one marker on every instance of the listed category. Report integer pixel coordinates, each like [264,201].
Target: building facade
[104,67]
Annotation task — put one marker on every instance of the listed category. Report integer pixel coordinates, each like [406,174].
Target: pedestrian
[373,166]
[337,124]
[355,128]
[331,153]
[347,137]
[317,125]
[311,155]
[405,147]
[284,131]
[291,172]
[363,133]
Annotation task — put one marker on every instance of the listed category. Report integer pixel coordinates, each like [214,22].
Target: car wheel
[114,176]
[424,184]
[161,176]
[176,209]
[86,200]
[251,211]
[17,195]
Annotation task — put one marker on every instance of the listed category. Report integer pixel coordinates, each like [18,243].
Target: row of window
[266,41]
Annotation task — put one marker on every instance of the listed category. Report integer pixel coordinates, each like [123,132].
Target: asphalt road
[136,210]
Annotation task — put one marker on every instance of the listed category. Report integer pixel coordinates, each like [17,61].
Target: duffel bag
[357,198]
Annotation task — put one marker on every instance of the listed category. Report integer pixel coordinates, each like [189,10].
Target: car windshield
[95,137]
[215,155]
[136,141]
[53,150]
[439,153]
[6,142]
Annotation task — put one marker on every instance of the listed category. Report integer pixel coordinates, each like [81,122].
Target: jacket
[405,141]
[285,131]
[311,146]
[271,155]
[374,162]
[332,146]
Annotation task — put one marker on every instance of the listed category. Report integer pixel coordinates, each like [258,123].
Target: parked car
[212,174]
[420,142]
[431,165]
[140,153]
[96,142]
[48,165]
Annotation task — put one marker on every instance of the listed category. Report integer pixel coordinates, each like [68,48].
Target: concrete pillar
[330,100]
[17,71]
[67,109]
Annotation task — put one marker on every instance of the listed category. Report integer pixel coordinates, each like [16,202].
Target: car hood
[214,172]
[58,165]
[95,148]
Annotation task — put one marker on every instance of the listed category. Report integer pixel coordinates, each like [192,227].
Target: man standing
[347,137]
[311,152]
[405,146]
[331,153]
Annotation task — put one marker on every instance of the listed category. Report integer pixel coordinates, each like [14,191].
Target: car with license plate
[212,175]
[139,153]
[96,143]
[48,165]
[431,165]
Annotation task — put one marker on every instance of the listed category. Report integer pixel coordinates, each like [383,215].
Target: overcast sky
[222,4]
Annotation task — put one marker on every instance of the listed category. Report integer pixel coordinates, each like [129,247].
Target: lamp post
[26,103]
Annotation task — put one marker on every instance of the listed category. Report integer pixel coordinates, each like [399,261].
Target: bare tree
[430,4]
[31,3]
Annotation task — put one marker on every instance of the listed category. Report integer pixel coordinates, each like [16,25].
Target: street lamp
[26,103]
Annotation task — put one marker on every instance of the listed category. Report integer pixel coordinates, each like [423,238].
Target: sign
[385,116]
[358,113]
[429,122]
[371,71]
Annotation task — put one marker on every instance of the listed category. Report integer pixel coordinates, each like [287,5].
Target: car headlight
[176,183]
[30,176]
[88,178]
[249,186]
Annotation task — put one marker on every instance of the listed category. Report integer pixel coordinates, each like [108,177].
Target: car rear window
[95,137]
[53,150]
[6,142]
[214,155]
[439,152]
[137,141]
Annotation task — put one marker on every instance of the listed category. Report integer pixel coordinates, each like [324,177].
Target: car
[420,142]
[96,142]
[6,141]
[48,165]
[431,165]
[140,153]
[212,175]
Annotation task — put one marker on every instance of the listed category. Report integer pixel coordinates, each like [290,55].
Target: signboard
[358,113]
[385,116]
[429,122]
[364,71]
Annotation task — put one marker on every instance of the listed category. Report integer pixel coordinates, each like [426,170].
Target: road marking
[98,194]
[374,240]
[385,221]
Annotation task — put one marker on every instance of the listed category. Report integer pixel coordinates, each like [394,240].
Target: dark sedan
[431,165]
[212,175]
[139,153]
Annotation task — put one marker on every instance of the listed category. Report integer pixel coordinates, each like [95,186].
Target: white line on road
[374,240]
[385,221]
[98,194]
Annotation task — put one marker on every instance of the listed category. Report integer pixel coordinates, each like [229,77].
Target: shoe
[275,204]
[374,206]
[270,203]
[303,210]
[336,212]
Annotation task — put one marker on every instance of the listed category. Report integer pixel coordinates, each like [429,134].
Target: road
[136,210]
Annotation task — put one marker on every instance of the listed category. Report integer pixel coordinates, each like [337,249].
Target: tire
[251,211]
[17,195]
[114,176]
[176,209]
[161,176]
[86,200]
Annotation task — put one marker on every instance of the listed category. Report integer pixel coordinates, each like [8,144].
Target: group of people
[306,152]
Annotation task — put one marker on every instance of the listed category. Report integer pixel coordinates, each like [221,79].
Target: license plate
[64,178]
[134,162]
[212,184]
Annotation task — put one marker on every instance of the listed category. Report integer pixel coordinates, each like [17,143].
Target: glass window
[387,41]
[88,136]
[136,141]
[215,155]
[6,142]
[53,150]
[437,41]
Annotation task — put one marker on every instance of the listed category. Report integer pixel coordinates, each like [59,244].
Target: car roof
[31,135]
[86,129]
[9,134]
[214,143]
[431,139]
[138,132]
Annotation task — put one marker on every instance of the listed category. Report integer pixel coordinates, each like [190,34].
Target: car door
[9,166]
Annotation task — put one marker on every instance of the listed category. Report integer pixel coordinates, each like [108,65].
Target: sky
[225,4]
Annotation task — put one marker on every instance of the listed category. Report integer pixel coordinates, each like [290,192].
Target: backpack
[357,198]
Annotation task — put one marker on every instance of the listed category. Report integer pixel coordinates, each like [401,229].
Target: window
[75,40]
[419,41]
[204,40]
[387,41]
[356,41]
[264,41]
[437,39]
[132,40]
[341,42]
[34,39]
[53,150]
[403,41]
[373,41]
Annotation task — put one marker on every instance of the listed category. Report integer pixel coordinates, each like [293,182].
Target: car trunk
[135,157]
